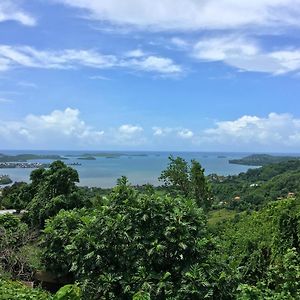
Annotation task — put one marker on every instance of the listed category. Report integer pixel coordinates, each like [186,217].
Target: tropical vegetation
[194,237]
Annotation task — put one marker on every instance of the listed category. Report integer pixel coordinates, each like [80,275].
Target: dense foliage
[137,244]
[262,159]
[256,187]
[53,189]
[10,290]
[16,196]
[262,250]
[14,239]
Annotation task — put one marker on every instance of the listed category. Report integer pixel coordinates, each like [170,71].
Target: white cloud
[180,132]
[14,56]
[192,14]
[185,133]
[160,131]
[57,129]
[179,43]
[4,64]
[247,55]
[274,132]
[66,129]
[29,57]
[135,53]
[130,130]
[127,135]
[99,77]
[220,48]
[10,12]
[155,64]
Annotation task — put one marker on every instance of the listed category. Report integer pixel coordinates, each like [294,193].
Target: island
[87,158]
[25,157]
[262,159]
[5,179]
[92,156]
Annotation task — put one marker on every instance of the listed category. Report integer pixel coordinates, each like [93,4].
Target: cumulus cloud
[130,130]
[192,14]
[66,129]
[126,135]
[160,131]
[185,133]
[9,11]
[16,56]
[276,131]
[60,128]
[247,55]
[180,132]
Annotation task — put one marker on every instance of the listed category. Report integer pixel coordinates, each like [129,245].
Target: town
[23,165]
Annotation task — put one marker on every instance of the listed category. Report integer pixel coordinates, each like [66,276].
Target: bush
[11,290]
[135,245]
[14,235]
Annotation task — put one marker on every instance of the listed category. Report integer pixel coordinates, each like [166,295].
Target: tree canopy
[137,244]
[187,180]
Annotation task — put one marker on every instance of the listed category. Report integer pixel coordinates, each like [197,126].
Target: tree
[54,189]
[58,180]
[176,175]
[137,244]
[16,196]
[188,181]
[200,189]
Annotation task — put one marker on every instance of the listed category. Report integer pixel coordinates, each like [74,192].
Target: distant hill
[261,159]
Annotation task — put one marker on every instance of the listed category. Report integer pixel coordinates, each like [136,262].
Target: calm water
[103,172]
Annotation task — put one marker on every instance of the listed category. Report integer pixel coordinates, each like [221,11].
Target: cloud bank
[247,55]
[57,129]
[192,14]
[26,56]
[274,132]
[65,129]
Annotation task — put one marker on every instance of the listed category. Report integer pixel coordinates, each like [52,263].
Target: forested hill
[261,159]
[258,186]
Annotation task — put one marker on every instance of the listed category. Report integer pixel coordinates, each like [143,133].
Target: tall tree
[54,189]
[187,180]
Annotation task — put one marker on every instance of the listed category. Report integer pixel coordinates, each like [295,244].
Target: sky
[173,75]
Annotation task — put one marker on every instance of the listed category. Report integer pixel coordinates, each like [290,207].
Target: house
[237,198]
[291,195]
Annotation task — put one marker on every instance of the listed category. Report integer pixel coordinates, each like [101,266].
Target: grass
[217,216]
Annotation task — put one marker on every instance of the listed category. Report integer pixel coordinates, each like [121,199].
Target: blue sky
[196,75]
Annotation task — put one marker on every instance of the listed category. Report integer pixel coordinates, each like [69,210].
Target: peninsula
[262,159]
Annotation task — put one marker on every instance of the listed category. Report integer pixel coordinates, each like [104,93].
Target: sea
[140,167]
